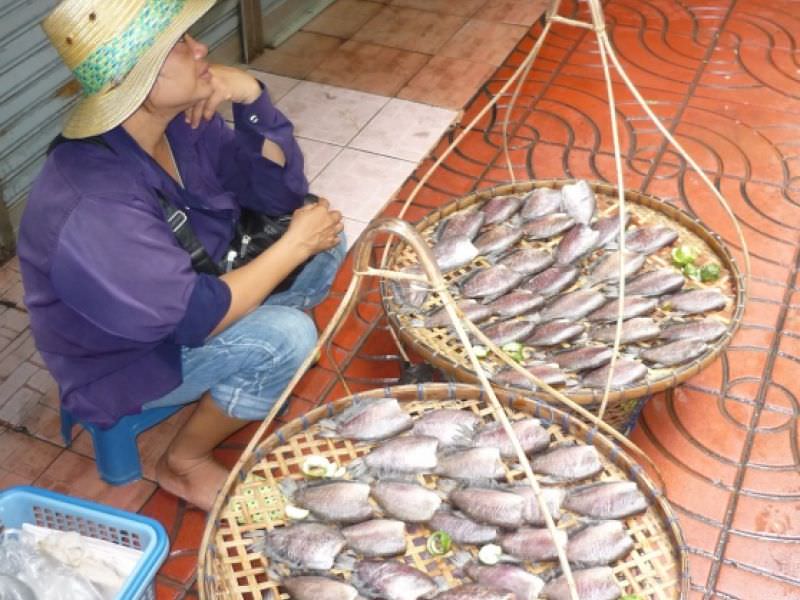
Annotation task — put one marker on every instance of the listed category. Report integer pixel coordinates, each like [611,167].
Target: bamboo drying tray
[442,348]
[656,569]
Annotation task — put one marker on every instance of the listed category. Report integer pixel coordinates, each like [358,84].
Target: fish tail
[358,470]
[445,486]
[288,487]
[327,428]
[346,561]
[459,560]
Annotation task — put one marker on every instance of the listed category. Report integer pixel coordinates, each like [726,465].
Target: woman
[121,318]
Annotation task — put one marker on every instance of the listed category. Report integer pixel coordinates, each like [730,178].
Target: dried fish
[697,301]
[580,359]
[454,252]
[505,332]
[531,435]
[552,281]
[516,303]
[377,538]
[579,201]
[499,238]
[626,372]
[633,330]
[341,501]
[391,580]
[368,420]
[568,462]
[449,425]
[707,330]
[549,373]
[407,454]
[675,353]
[462,530]
[592,584]
[313,587]
[632,306]
[540,202]
[598,544]
[553,497]
[493,281]
[607,500]
[467,224]
[608,228]
[573,305]
[475,591]
[528,261]
[608,267]
[554,332]
[312,546]
[406,501]
[500,209]
[524,585]
[547,226]
[490,506]
[653,283]
[472,309]
[577,242]
[533,544]
[650,238]
[471,464]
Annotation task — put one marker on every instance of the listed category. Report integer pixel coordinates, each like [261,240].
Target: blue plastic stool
[115,449]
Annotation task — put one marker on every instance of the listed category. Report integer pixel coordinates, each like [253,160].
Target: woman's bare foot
[196,481]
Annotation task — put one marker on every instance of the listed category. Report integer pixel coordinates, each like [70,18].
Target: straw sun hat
[115,49]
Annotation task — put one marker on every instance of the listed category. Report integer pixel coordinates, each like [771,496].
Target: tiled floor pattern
[725,76]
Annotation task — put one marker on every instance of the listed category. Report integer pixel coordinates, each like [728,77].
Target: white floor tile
[353,229]
[277,85]
[329,114]
[404,129]
[360,184]
[317,155]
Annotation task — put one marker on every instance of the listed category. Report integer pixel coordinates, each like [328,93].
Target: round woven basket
[657,567]
[442,348]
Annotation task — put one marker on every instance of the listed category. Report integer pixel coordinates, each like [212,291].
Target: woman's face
[184,78]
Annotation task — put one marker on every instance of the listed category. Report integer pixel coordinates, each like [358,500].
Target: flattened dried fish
[626,372]
[407,454]
[675,353]
[577,242]
[467,224]
[580,359]
[547,226]
[552,281]
[490,506]
[312,587]
[406,501]
[377,538]
[368,420]
[553,497]
[608,267]
[475,591]
[632,306]
[573,305]
[528,261]
[531,435]
[707,330]
[633,330]
[540,202]
[554,332]
[650,238]
[312,546]
[505,332]
[449,425]
[524,585]
[549,373]
[592,584]
[471,464]
[653,283]
[568,463]
[462,530]
[693,302]
[516,303]
[533,544]
[494,281]
[608,228]
[341,501]
[498,238]
[454,252]
[471,308]
[598,544]
[500,209]
[579,201]
[391,580]
[607,500]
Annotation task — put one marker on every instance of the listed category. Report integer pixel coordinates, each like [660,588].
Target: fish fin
[327,428]
[358,470]
[277,571]
[459,560]
[464,436]
[288,487]
[346,560]
[445,486]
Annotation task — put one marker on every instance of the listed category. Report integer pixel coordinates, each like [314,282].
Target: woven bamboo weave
[656,568]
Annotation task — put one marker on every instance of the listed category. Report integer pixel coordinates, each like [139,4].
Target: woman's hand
[227,83]
[314,228]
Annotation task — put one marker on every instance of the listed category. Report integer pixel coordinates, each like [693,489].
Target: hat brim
[102,112]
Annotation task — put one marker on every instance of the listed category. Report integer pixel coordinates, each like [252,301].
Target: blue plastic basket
[24,504]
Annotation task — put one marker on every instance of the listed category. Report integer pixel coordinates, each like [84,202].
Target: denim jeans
[247,366]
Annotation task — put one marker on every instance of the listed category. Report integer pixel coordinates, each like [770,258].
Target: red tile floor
[725,76]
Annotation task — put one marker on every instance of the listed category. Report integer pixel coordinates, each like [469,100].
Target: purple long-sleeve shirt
[112,296]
